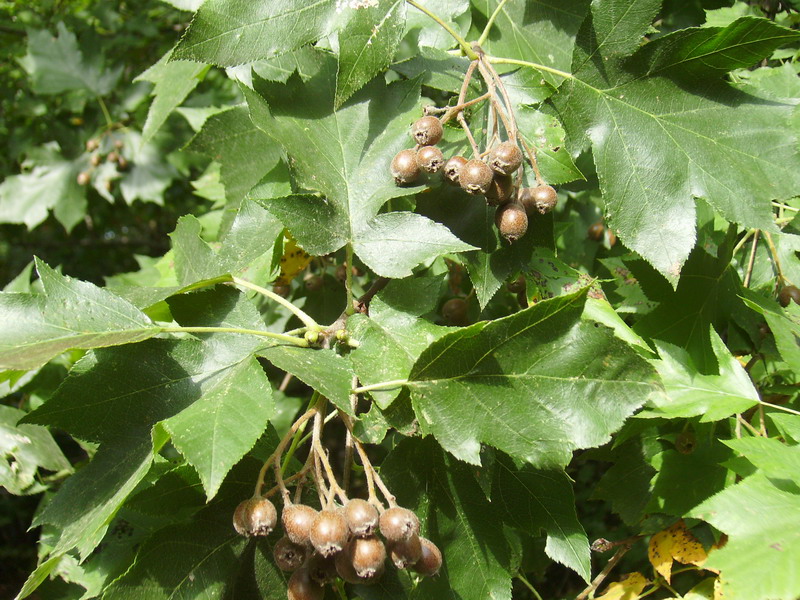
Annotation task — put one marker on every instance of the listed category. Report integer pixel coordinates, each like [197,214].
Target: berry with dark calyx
[512,221]
[789,294]
[313,283]
[297,520]
[516,286]
[452,169]
[288,555]
[95,159]
[282,290]
[405,168]
[406,553]
[430,159]
[302,587]
[427,131]
[361,517]
[500,191]
[84,178]
[322,569]
[329,532]
[92,144]
[596,232]
[454,311]
[431,560]
[255,516]
[367,555]
[541,199]
[399,523]
[475,177]
[506,158]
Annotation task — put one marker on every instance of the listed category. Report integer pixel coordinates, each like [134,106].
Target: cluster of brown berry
[341,539]
[495,172]
[97,155]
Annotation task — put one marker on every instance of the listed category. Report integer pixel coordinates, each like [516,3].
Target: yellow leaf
[659,551]
[629,587]
[718,593]
[685,547]
[294,260]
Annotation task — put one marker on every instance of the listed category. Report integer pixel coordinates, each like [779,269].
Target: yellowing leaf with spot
[294,260]
[675,543]
[628,588]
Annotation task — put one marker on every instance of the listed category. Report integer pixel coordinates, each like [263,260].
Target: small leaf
[629,587]
[70,314]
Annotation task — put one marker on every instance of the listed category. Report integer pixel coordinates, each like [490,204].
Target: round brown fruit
[84,178]
[322,569]
[405,168]
[255,516]
[596,232]
[430,159]
[361,517]
[288,555]
[789,294]
[367,555]
[517,286]
[454,311]
[541,199]
[399,523]
[500,191]
[427,131]
[506,158]
[302,587]
[297,520]
[313,283]
[406,553]
[512,221]
[475,177]
[281,289]
[452,169]
[329,532]
[431,560]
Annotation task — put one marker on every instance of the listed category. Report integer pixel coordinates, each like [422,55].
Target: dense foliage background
[640,396]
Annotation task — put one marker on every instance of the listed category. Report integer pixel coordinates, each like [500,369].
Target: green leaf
[245,153]
[537,384]
[345,155]
[393,336]
[689,393]
[534,500]
[49,184]
[763,525]
[428,33]
[173,81]
[56,65]
[26,449]
[545,133]
[231,32]
[771,457]
[456,515]
[784,324]
[69,314]
[150,175]
[664,127]
[367,44]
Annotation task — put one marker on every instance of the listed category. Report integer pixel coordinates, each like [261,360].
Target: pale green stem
[528,585]
[779,407]
[490,22]
[524,63]
[461,41]
[267,334]
[383,385]
[785,206]
[305,318]
[106,114]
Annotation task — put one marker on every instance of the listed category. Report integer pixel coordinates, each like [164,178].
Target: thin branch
[752,260]
[774,251]
[369,470]
[597,581]
[528,585]
[279,449]
[307,320]
[453,110]
[461,41]
[533,161]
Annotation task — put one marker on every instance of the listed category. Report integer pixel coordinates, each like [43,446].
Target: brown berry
[511,220]
[596,232]
[454,311]
[405,168]
[431,560]
[361,517]
[281,289]
[340,273]
[92,144]
[686,442]
[95,159]
[302,587]
[452,168]
[500,191]
[475,177]
[84,178]
[329,532]
[427,131]
[122,164]
[313,283]
[406,553]
[506,158]
[255,516]
[297,520]
[367,555]
[789,294]
[119,144]
[516,286]
[288,555]
[345,564]
[430,159]
[399,523]
[112,157]
[541,199]
[322,569]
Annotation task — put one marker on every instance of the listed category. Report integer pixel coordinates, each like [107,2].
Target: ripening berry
[405,168]
[512,221]
[475,177]
[452,169]
[516,286]
[541,199]
[302,587]
[288,555]
[427,131]
[500,191]
[406,553]
[297,520]
[361,517]
[255,516]
[399,523]
[789,294]
[322,569]
[329,532]
[505,159]
[92,144]
[84,178]
[313,283]
[431,560]
[596,232]
[367,555]
[430,159]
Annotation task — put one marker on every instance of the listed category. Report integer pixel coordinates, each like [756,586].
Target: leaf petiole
[524,63]
[489,23]
[461,41]
[268,334]
[302,315]
[383,385]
